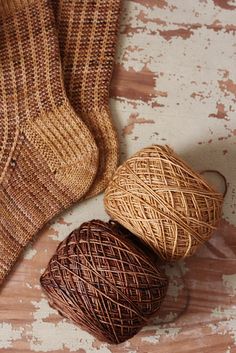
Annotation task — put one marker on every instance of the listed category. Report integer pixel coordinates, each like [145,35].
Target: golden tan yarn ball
[159,198]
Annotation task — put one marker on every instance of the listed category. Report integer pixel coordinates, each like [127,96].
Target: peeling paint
[166,333]
[50,337]
[221,112]
[135,119]
[228,86]
[42,309]
[52,233]
[140,79]
[142,16]
[30,253]
[227,323]
[8,335]
[229,282]
[47,336]
[180,32]
[225,4]
[175,274]
[152,3]
[61,220]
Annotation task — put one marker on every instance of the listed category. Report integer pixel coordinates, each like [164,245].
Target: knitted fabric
[48,158]
[87,35]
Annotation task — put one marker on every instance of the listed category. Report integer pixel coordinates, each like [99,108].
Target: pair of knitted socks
[57,142]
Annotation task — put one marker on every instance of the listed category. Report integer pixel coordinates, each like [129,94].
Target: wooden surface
[175,83]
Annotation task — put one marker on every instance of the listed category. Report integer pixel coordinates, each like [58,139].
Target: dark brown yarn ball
[101,281]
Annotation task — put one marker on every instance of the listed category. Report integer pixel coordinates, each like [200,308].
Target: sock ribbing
[48,158]
[88,34]
[9,6]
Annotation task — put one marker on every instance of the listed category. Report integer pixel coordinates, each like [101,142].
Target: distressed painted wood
[175,83]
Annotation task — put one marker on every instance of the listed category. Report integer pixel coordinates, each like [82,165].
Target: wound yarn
[102,282]
[159,198]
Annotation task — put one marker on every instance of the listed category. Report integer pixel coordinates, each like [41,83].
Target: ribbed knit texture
[48,158]
[9,6]
[88,34]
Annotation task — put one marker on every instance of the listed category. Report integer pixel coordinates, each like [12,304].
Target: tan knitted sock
[87,35]
[48,158]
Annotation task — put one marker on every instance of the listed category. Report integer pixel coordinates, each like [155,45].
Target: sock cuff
[10,6]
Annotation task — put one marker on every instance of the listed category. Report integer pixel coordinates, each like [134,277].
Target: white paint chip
[8,335]
[43,310]
[167,333]
[29,253]
[48,337]
[227,321]
[175,274]
[45,336]
[229,282]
